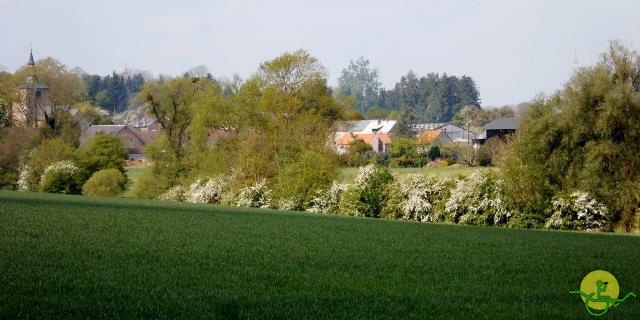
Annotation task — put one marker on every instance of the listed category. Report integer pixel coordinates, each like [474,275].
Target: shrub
[104,183]
[405,153]
[417,198]
[328,201]
[299,180]
[150,185]
[48,152]
[366,196]
[359,153]
[104,151]
[176,193]
[24,179]
[61,177]
[14,143]
[206,191]
[290,204]
[255,196]
[478,199]
[577,212]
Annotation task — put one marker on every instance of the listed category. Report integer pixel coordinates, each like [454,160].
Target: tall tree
[360,81]
[584,138]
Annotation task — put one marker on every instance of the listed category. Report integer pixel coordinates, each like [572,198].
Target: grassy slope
[66,256]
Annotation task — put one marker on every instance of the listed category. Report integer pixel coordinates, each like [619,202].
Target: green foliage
[404,152]
[105,183]
[366,198]
[103,151]
[49,152]
[65,87]
[299,180]
[113,92]
[362,83]
[61,177]
[151,184]
[432,98]
[433,152]
[583,138]
[359,153]
[14,145]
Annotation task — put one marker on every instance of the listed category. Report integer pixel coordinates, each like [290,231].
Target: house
[453,132]
[134,139]
[366,126]
[436,136]
[380,142]
[80,119]
[500,127]
[375,132]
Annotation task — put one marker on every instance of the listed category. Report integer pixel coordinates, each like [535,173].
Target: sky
[513,49]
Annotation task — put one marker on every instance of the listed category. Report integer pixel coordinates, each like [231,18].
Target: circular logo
[601,284]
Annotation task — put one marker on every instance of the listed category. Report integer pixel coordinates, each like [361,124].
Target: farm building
[500,127]
[450,132]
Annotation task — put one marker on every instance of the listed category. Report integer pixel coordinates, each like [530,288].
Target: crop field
[79,257]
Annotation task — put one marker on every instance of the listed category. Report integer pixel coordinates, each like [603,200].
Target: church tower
[33,99]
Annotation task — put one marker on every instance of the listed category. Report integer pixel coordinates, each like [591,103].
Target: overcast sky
[513,49]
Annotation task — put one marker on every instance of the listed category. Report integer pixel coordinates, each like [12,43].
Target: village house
[380,142]
[134,139]
[377,133]
[443,132]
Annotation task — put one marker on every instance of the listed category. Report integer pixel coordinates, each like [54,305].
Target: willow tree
[585,137]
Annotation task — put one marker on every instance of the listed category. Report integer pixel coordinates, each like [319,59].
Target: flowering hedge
[256,196]
[479,200]
[61,177]
[328,201]
[366,197]
[418,198]
[579,211]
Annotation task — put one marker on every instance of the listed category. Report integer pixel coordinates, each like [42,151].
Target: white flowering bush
[417,198]
[577,212]
[176,193]
[26,175]
[256,196]
[479,200]
[366,197]
[61,177]
[328,201]
[289,204]
[207,191]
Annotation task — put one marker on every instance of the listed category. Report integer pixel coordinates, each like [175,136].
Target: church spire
[31,62]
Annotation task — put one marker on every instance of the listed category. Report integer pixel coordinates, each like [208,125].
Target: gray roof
[358,125]
[95,129]
[510,123]
[430,126]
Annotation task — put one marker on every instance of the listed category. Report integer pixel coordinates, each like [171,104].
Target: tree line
[430,98]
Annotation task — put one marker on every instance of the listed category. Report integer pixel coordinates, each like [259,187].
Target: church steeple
[31,62]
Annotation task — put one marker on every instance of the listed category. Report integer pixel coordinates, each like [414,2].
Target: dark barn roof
[510,123]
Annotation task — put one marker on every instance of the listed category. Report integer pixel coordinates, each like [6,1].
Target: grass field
[77,257]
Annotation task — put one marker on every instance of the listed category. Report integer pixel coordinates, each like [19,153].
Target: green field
[77,257]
